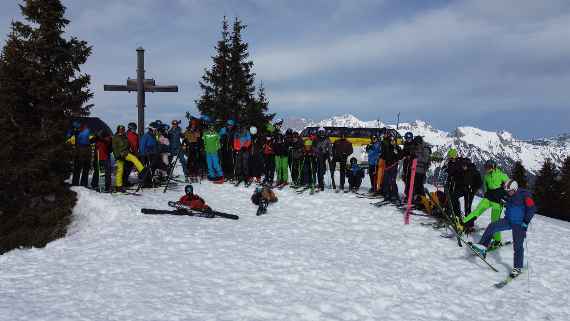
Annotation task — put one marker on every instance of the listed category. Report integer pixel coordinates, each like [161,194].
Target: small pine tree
[519,175]
[546,190]
[41,87]
[564,190]
[228,89]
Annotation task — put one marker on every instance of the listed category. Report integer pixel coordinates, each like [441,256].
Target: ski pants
[485,204]
[389,186]
[242,164]
[227,162]
[282,169]
[354,181]
[342,170]
[321,171]
[419,184]
[308,170]
[194,161]
[519,235]
[296,171]
[214,169]
[105,167]
[81,165]
[121,167]
[467,201]
[269,161]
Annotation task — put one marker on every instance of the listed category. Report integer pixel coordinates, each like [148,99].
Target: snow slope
[322,257]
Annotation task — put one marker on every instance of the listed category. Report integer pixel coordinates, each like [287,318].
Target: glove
[524,226]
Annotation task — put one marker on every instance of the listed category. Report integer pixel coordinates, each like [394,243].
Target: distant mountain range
[475,143]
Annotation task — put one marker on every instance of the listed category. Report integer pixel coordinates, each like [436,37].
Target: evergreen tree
[215,99]
[564,190]
[228,89]
[41,87]
[519,175]
[546,190]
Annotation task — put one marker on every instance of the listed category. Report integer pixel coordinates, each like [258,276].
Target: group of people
[275,159]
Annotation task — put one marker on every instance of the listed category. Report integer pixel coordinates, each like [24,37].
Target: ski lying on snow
[153,211]
[216,213]
[504,282]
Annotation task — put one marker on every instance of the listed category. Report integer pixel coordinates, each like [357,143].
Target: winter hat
[253,130]
[452,153]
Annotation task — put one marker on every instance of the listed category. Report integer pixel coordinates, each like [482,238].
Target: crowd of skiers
[241,154]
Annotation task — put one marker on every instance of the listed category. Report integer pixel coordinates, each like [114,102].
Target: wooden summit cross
[140,85]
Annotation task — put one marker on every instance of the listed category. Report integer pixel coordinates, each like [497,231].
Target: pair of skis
[185,210]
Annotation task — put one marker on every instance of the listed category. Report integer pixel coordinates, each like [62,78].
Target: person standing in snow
[391,153]
[323,149]
[520,209]
[121,152]
[212,146]
[342,148]
[175,138]
[281,151]
[102,160]
[269,161]
[80,138]
[493,183]
[373,151]
[133,139]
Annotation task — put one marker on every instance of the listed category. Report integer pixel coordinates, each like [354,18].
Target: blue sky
[491,64]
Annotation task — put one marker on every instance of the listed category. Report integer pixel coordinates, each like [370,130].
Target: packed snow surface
[312,257]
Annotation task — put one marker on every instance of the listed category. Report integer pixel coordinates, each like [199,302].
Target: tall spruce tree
[546,190]
[215,99]
[228,89]
[41,87]
[564,190]
[519,175]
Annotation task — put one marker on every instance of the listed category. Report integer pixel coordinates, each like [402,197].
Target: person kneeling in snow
[193,201]
[520,210]
[262,197]
[355,175]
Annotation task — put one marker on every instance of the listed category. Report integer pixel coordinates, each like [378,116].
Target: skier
[269,161]
[102,160]
[227,153]
[242,145]
[262,197]
[323,149]
[133,139]
[175,138]
[391,153]
[355,175]
[148,149]
[193,143]
[342,148]
[212,146]
[373,150]
[193,201]
[423,159]
[120,145]
[281,162]
[520,209]
[296,148]
[308,164]
[255,156]
[80,137]
[493,183]
[164,151]
[408,154]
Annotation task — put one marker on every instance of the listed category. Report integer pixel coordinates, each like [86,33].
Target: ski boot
[515,272]
[481,249]
[495,244]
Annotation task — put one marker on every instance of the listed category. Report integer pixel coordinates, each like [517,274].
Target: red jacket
[103,147]
[195,202]
[133,142]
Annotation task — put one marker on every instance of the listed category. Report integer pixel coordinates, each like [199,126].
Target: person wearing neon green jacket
[494,194]
[212,146]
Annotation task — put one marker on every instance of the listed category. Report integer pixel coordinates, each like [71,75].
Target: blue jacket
[520,207]
[148,144]
[174,136]
[374,151]
[82,138]
[356,170]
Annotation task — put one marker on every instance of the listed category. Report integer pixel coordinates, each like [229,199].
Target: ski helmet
[353,161]
[270,128]
[490,164]
[289,132]
[253,130]
[321,131]
[511,185]
[452,153]
[189,190]
[132,126]
[408,137]
[120,128]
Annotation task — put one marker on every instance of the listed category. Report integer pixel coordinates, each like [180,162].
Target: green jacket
[120,146]
[493,183]
[211,141]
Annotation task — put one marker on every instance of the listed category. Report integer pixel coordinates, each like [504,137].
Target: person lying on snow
[193,201]
[262,197]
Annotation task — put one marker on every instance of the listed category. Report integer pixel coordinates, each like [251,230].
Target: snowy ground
[323,257]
